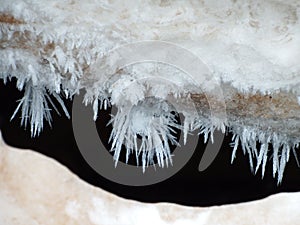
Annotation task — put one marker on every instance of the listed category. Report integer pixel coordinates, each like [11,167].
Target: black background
[221,183]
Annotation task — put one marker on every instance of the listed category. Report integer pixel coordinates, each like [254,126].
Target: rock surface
[37,190]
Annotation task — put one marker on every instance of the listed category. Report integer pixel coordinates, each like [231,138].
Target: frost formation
[154,122]
[51,49]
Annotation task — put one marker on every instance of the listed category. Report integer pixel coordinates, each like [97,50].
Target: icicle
[185,130]
[248,137]
[95,109]
[235,146]
[153,123]
[34,108]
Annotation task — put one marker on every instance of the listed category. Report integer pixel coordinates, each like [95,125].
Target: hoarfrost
[151,119]
[277,146]
[59,58]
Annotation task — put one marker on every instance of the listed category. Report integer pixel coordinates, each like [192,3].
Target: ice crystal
[35,108]
[152,120]
[271,144]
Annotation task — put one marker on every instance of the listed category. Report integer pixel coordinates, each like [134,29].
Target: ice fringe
[154,122]
[40,82]
[248,138]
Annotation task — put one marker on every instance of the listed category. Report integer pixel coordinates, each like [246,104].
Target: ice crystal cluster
[53,49]
[154,122]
